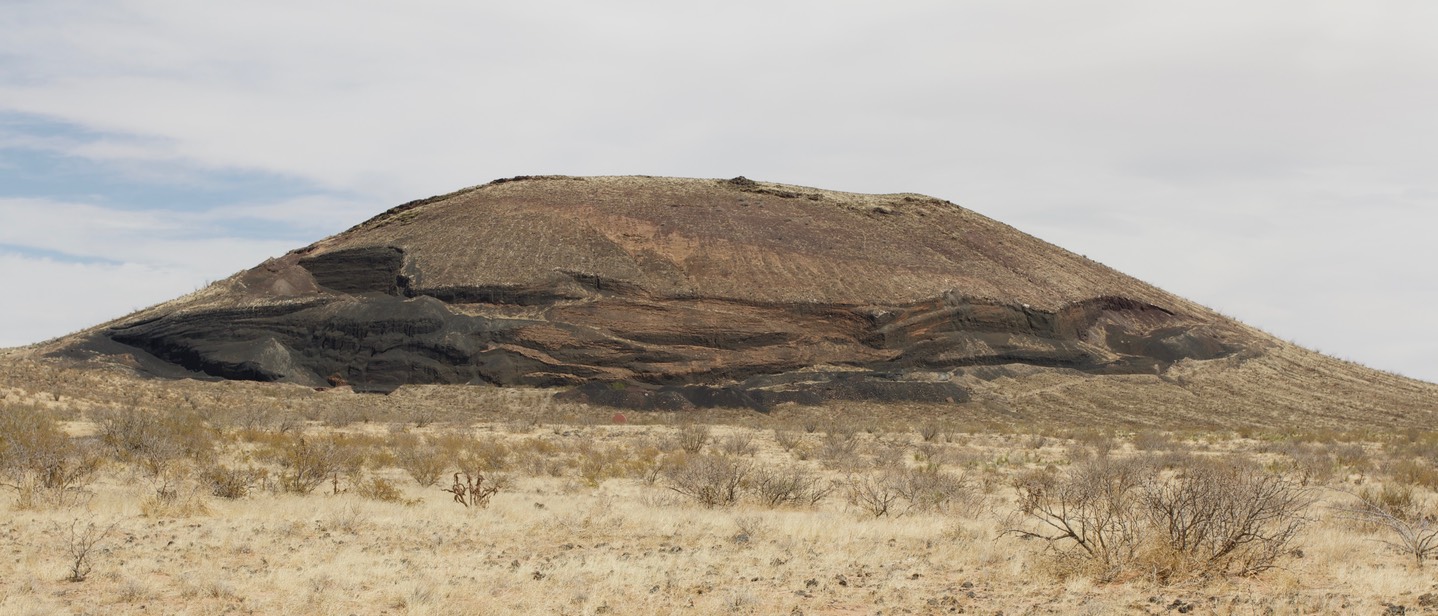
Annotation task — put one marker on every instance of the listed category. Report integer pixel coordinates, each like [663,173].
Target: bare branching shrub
[1353,456]
[931,490]
[875,494]
[1306,463]
[739,443]
[1411,528]
[1151,440]
[712,481]
[839,446]
[1212,518]
[41,463]
[474,490]
[930,431]
[692,437]
[1224,518]
[788,486]
[231,482]
[1090,509]
[308,462]
[151,438]
[424,461]
[81,542]
[788,439]
[381,489]
[1415,472]
[181,499]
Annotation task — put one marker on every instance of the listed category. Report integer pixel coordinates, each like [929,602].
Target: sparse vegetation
[800,494]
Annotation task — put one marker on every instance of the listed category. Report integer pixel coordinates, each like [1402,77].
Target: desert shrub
[788,486]
[1098,442]
[247,418]
[1413,472]
[39,462]
[474,490]
[598,463]
[153,439]
[839,446]
[1224,517]
[1353,456]
[931,454]
[1307,464]
[930,431]
[424,461]
[1089,509]
[1151,440]
[712,481]
[179,500]
[930,490]
[788,439]
[1410,526]
[738,443]
[82,544]
[231,482]
[307,462]
[380,489]
[1395,499]
[1212,518]
[875,494]
[692,437]
[480,454]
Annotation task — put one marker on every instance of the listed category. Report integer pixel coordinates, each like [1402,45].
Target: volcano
[667,293]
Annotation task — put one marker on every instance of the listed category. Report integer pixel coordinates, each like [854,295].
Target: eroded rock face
[671,294]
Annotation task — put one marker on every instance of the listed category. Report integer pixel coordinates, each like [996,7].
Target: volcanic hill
[676,293]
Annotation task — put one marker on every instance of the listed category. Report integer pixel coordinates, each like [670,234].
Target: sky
[1272,160]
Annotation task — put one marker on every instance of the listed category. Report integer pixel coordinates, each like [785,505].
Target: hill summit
[676,293]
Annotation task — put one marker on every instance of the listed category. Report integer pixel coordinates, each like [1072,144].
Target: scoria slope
[672,293]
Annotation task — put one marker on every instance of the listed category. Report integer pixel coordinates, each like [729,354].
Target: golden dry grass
[583,530]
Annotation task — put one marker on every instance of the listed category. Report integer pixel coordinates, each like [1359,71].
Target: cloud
[55,297]
[1272,160]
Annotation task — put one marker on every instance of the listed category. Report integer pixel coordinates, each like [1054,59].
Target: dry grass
[228,513]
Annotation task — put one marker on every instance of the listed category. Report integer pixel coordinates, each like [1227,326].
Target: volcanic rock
[674,293]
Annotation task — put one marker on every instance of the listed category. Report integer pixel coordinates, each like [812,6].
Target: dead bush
[1151,440]
[82,542]
[1411,526]
[930,431]
[739,443]
[1089,510]
[931,490]
[1413,472]
[1224,517]
[788,439]
[788,486]
[153,439]
[306,463]
[692,437]
[875,494]
[378,488]
[475,490]
[231,482]
[839,446]
[1214,518]
[41,463]
[424,461]
[712,481]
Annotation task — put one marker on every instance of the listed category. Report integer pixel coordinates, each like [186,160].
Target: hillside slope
[675,293]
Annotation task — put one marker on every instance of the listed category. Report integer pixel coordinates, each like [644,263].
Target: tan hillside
[666,293]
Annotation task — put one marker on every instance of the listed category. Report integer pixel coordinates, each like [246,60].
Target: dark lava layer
[671,293]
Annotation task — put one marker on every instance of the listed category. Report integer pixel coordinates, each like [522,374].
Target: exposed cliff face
[669,293]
